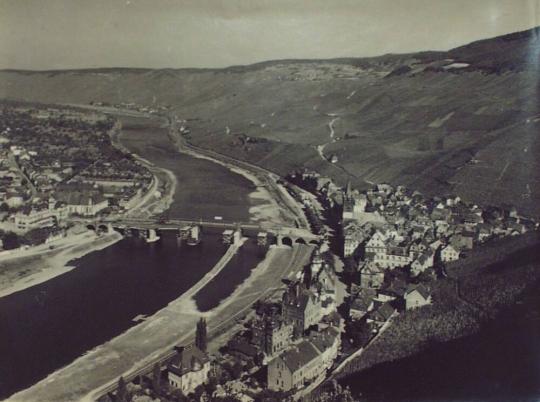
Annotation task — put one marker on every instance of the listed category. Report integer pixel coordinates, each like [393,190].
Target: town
[394,245]
[59,166]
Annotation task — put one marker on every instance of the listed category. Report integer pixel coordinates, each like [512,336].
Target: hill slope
[464,121]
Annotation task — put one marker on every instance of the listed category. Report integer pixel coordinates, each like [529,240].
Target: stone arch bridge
[148,229]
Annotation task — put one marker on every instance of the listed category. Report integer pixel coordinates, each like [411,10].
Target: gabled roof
[324,339]
[397,287]
[187,359]
[420,288]
[449,247]
[361,303]
[371,268]
[384,312]
[299,355]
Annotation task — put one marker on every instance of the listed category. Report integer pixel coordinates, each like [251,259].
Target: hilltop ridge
[463,121]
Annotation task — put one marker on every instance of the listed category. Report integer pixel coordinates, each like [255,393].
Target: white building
[423,262]
[188,369]
[34,220]
[377,243]
[449,253]
[417,296]
[304,362]
[86,204]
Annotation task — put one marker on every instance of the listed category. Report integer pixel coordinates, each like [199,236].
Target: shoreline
[163,326]
[149,200]
[267,211]
[133,350]
[48,264]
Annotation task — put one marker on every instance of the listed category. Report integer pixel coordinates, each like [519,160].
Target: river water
[47,326]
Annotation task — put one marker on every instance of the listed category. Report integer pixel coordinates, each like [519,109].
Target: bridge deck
[174,224]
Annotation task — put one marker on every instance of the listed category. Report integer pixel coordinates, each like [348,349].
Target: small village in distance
[58,166]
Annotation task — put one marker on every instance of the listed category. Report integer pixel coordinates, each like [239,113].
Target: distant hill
[464,121]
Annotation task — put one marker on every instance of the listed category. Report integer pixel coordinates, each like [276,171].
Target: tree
[121,392]
[201,337]
[11,241]
[156,379]
[36,236]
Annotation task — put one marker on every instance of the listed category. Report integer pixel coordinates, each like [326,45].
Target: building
[449,253]
[382,313]
[14,199]
[317,262]
[34,219]
[273,335]
[371,275]
[327,342]
[86,204]
[377,243]
[188,369]
[353,204]
[301,307]
[393,257]
[353,236]
[423,262]
[304,362]
[417,296]
[361,305]
[294,367]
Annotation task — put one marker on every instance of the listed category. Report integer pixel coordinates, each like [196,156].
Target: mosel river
[47,326]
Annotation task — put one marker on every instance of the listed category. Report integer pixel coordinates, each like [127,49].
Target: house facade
[188,369]
[301,307]
[371,275]
[276,336]
[304,362]
[34,219]
[417,296]
[449,253]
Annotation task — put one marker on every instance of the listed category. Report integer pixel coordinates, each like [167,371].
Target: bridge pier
[150,235]
[183,232]
[262,238]
[232,236]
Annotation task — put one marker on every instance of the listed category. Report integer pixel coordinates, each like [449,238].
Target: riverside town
[383,259]
[269,201]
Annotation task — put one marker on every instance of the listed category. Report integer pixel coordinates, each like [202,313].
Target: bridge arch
[300,240]
[91,226]
[287,241]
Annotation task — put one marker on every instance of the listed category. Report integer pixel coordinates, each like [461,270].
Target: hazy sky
[50,34]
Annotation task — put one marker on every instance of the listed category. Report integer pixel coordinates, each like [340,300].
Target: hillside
[464,121]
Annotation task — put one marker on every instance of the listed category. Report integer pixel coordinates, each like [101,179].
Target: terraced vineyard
[464,121]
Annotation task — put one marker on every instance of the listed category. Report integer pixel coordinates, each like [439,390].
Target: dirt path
[320,148]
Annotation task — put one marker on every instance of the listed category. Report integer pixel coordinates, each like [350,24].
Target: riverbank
[280,207]
[39,264]
[160,195]
[267,212]
[147,342]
